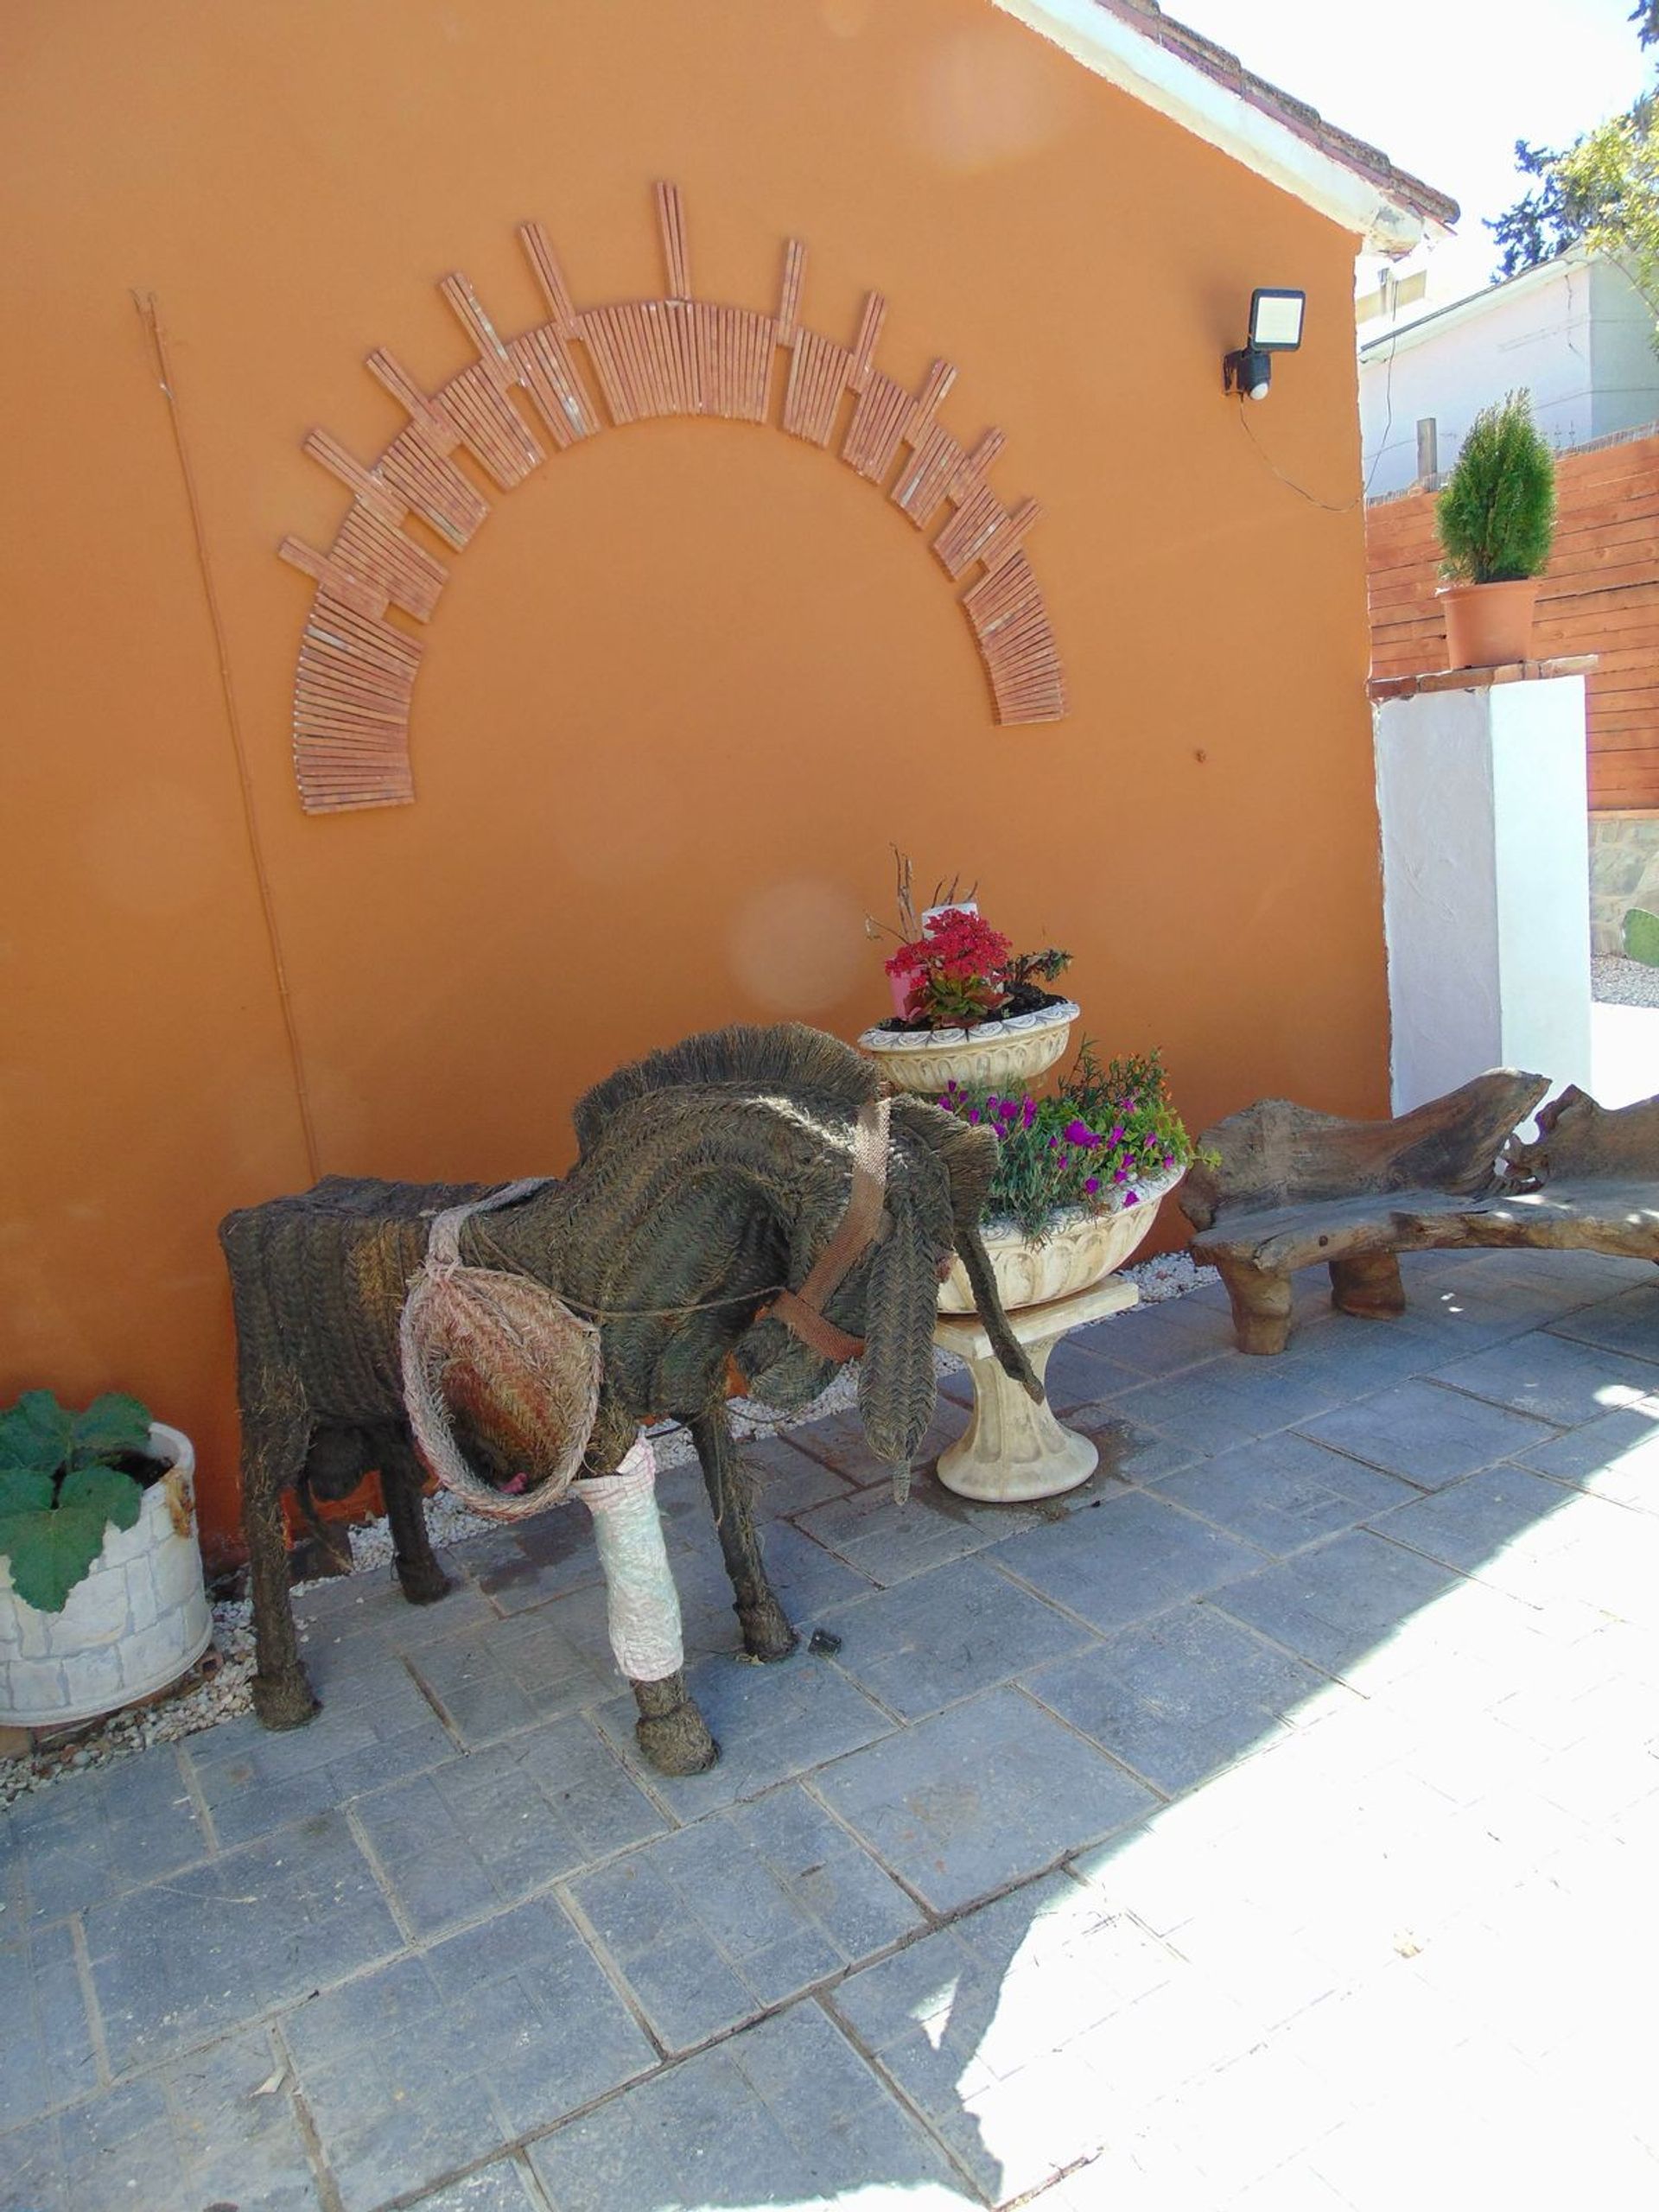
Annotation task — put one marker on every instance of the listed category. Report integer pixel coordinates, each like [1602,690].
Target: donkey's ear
[897,1388]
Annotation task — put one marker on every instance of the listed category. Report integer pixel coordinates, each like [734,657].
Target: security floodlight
[1275,327]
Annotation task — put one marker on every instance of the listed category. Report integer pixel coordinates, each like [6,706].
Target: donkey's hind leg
[766,1632]
[402,1479]
[273,1453]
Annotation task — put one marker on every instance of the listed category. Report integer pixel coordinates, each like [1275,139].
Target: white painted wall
[1575,334]
[1485,889]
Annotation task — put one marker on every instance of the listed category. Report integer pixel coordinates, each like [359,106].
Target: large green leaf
[50,1547]
[37,1433]
[24,1490]
[110,1425]
[104,1491]
[49,1553]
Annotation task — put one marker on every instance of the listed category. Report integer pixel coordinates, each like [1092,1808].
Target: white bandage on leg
[643,1605]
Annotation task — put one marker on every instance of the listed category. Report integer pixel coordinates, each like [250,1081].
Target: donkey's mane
[786,1057]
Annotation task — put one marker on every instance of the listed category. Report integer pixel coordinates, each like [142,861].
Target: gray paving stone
[432,2062]
[503,2186]
[1128,1453]
[1616,1459]
[1157,1339]
[493,1826]
[526,1562]
[505,1676]
[989,1793]
[716,1923]
[46,2051]
[947,1635]
[1481,1307]
[1333,1603]
[1228,1399]
[1628,1323]
[1283,1491]
[807,1580]
[375,1727]
[1429,1435]
[1177,1697]
[985,2026]
[1539,1539]
[888,1543]
[372,1607]
[1464,1524]
[787,1480]
[1354,1355]
[1550,1377]
[772,1723]
[784,2114]
[214,1945]
[1126,1559]
[1084,1374]
[94,1834]
[216,2129]
[839,1442]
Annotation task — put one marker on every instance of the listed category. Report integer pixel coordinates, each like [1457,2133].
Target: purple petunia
[1091,1183]
[1130,1200]
[1080,1133]
[1028,1113]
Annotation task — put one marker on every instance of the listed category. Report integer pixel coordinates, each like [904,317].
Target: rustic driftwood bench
[1292,1187]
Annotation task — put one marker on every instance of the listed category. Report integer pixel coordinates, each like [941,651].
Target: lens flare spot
[798,947]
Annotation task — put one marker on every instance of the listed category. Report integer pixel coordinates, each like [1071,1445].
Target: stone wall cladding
[1623,872]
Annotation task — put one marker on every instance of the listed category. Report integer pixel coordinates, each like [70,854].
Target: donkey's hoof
[284,1700]
[677,1742]
[423,1582]
[767,1636]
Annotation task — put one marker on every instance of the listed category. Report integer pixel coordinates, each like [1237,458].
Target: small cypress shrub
[1496,514]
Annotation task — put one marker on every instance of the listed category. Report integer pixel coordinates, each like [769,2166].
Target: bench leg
[1369,1285]
[1260,1306]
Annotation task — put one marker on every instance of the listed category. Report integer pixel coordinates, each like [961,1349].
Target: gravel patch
[1618,982]
[219,1686]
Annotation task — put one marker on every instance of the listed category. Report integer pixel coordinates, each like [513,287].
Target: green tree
[1602,190]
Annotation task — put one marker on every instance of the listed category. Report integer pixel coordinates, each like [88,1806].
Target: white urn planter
[136,1622]
[1078,1250]
[1014,1449]
[1011,1053]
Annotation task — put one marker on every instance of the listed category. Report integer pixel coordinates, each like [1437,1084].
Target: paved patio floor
[1272,1825]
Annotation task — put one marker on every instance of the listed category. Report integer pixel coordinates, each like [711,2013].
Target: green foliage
[1602,191]
[1496,514]
[59,1493]
[1642,937]
[1096,1144]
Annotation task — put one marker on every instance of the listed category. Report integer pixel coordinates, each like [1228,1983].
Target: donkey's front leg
[402,1479]
[766,1632]
[644,1611]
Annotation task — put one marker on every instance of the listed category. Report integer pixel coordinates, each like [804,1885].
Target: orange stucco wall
[693,678]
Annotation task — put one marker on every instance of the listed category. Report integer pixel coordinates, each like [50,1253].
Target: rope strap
[802,1310]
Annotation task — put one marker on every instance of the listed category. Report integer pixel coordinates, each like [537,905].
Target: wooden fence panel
[1601,595]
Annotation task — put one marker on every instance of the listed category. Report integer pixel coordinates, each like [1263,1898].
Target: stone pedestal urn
[135,1624]
[1013,1054]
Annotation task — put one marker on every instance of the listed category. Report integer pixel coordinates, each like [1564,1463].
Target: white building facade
[1574,332]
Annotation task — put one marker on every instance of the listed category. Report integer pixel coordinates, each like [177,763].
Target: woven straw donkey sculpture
[746,1212]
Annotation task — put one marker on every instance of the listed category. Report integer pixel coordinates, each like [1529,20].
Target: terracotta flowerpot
[1487,625]
[1011,1053]
[1079,1249]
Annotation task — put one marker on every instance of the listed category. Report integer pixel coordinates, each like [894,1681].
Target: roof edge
[1134,45]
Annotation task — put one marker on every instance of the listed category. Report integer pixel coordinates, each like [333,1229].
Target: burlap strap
[801,1310]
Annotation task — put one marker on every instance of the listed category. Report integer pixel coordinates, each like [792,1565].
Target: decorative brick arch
[675,355]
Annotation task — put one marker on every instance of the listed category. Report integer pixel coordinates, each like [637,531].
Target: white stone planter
[1013,1054]
[1079,1249]
[135,1624]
